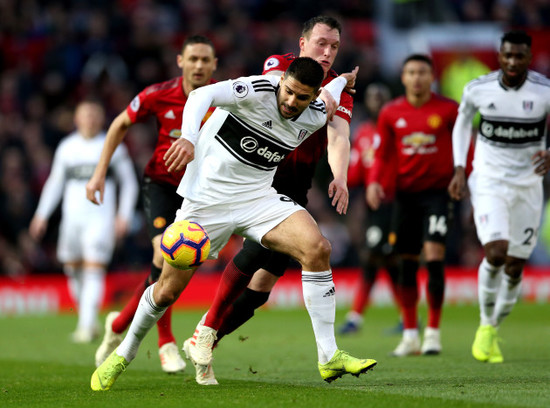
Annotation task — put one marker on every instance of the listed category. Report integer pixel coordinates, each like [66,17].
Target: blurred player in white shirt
[506,183]
[87,233]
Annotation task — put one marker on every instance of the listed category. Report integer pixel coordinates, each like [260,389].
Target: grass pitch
[271,362]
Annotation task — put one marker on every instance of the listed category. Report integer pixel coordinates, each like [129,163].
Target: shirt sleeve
[275,64]
[345,108]
[128,185]
[200,100]
[385,150]
[54,186]
[335,87]
[462,130]
[138,110]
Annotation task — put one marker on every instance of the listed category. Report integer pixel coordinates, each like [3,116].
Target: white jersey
[73,165]
[239,147]
[512,127]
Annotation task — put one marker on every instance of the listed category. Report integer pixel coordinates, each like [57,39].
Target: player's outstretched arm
[338,150]
[114,137]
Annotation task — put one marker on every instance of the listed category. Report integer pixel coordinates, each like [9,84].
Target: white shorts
[251,220]
[91,240]
[503,211]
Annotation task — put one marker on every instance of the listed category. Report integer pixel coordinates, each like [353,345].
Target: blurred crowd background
[53,53]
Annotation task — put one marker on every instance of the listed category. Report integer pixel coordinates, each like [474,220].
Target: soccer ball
[185,244]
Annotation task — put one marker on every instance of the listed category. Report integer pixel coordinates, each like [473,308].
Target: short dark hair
[327,20]
[419,57]
[307,71]
[198,39]
[516,37]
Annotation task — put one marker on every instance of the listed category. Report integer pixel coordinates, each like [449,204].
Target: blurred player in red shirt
[416,145]
[376,248]
[163,101]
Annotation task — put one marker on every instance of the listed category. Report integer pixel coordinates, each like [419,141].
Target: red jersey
[363,150]
[165,101]
[421,140]
[295,173]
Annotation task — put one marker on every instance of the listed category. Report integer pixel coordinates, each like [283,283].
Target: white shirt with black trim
[512,127]
[74,163]
[239,147]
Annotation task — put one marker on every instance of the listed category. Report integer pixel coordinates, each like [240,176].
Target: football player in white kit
[227,189]
[87,233]
[506,182]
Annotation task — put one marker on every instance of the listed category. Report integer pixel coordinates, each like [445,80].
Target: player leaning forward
[227,189]
[506,183]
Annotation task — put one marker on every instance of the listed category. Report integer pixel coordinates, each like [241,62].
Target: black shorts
[160,203]
[420,217]
[380,231]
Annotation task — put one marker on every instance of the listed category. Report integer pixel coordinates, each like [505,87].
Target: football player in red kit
[163,101]
[416,129]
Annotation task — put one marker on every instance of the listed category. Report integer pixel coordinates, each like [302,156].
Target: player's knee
[496,258]
[165,296]
[318,254]
[166,292]
[495,252]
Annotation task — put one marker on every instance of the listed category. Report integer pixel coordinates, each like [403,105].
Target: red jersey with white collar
[421,140]
[295,173]
[164,101]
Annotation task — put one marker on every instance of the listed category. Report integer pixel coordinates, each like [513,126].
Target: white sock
[410,334]
[74,282]
[319,298]
[91,296]
[507,297]
[147,315]
[488,283]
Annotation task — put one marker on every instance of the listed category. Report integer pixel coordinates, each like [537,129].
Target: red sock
[362,296]
[409,300]
[434,309]
[164,327]
[126,315]
[233,282]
